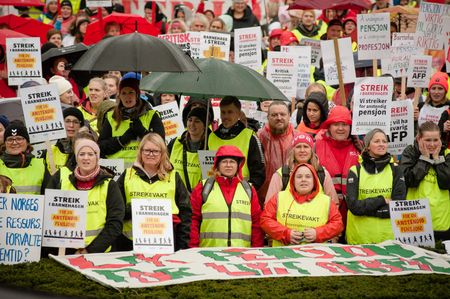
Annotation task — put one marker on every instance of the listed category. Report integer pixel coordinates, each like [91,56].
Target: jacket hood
[315,190]
[338,114]
[230,151]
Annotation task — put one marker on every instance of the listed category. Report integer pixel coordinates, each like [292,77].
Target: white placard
[116,166]
[180,39]
[20,228]
[316,53]
[206,159]
[65,218]
[402,126]
[282,71]
[23,56]
[171,119]
[98,3]
[372,104]
[247,47]
[447,49]
[304,67]
[419,70]
[42,113]
[215,44]
[430,33]
[194,40]
[329,61]
[374,35]
[152,226]
[248,107]
[398,64]
[402,39]
[411,222]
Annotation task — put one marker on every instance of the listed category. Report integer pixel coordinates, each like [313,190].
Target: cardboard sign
[372,104]
[304,67]
[374,35]
[430,33]
[411,222]
[171,119]
[206,159]
[194,40]
[247,47]
[282,71]
[98,3]
[329,61]
[65,218]
[402,126]
[42,113]
[215,45]
[398,64]
[152,226]
[20,228]
[116,166]
[180,39]
[316,53]
[23,56]
[419,70]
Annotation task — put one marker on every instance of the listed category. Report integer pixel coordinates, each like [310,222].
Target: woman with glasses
[152,176]
[28,173]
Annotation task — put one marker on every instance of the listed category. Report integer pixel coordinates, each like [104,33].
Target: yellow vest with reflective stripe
[299,36]
[59,158]
[92,119]
[129,152]
[241,141]
[192,164]
[96,210]
[367,229]
[439,199]
[135,187]
[297,216]
[223,225]
[26,180]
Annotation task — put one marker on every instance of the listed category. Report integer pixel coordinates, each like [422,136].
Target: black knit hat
[72,111]
[66,3]
[200,113]
[4,121]
[16,128]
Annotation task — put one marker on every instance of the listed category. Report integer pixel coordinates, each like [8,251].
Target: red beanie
[440,78]
[303,138]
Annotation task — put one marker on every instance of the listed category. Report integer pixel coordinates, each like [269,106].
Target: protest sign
[316,53]
[98,3]
[402,126]
[116,166]
[447,47]
[171,119]
[304,67]
[180,39]
[372,104]
[282,72]
[134,270]
[42,113]
[430,33]
[20,228]
[194,40]
[374,35]
[23,56]
[206,159]
[215,45]
[65,218]
[152,226]
[346,59]
[419,70]
[248,107]
[430,113]
[411,222]
[247,47]
[402,39]
[398,63]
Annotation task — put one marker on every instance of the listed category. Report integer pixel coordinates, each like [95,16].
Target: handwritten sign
[402,126]
[374,35]
[206,159]
[432,20]
[171,118]
[282,72]
[402,39]
[247,47]
[23,57]
[329,61]
[398,63]
[419,70]
[116,166]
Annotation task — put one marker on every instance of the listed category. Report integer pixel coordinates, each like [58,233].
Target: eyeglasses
[150,152]
[11,140]
[73,122]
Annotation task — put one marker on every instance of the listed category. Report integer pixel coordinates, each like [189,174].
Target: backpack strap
[247,188]
[285,174]
[321,175]
[207,187]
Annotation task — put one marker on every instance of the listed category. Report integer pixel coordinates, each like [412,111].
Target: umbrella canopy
[129,23]
[26,26]
[12,108]
[217,79]
[331,4]
[7,33]
[22,2]
[135,52]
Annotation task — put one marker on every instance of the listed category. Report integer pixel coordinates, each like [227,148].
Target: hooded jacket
[248,20]
[279,232]
[320,100]
[228,187]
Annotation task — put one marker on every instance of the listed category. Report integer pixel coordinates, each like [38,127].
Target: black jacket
[445,136]
[248,20]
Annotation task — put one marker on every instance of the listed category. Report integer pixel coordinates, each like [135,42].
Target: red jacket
[277,231]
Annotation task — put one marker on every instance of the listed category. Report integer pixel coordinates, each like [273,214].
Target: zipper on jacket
[229,226]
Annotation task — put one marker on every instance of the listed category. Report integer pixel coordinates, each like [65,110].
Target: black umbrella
[71,53]
[135,52]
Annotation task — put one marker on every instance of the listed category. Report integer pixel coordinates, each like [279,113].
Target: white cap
[61,82]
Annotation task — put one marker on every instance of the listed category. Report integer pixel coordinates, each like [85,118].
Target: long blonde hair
[313,160]
[164,167]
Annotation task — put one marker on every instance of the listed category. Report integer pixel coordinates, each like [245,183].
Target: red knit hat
[338,114]
[287,37]
[440,78]
[303,138]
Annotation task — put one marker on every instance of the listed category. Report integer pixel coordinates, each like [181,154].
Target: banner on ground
[206,159]
[116,166]
[372,101]
[134,270]
[247,47]
[316,53]
[419,70]
[23,56]
[180,39]
[304,67]
[171,119]
[329,61]
[152,226]
[42,113]
[65,218]
[374,35]
[20,228]
[282,72]
[430,33]
[215,45]
[411,222]
[402,126]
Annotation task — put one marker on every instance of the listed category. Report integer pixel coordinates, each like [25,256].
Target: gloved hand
[127,137]
[383,212]
[137,127]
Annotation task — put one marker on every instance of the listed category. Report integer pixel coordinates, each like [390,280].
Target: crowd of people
[299,178]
